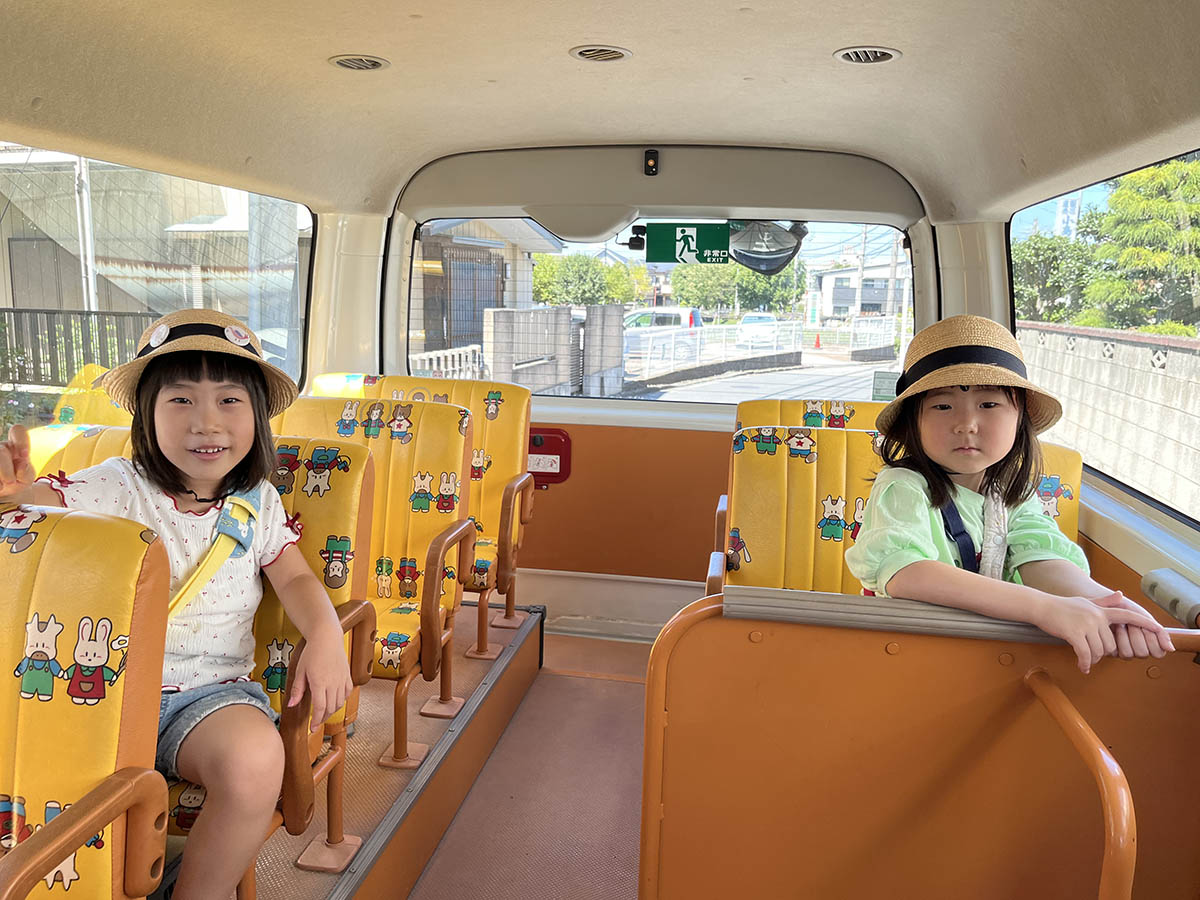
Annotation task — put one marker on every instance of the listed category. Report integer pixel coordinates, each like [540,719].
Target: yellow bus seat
[346,512]
[84,625]
[790,521]
[84,403]
[795,415]
[502,489]
[421,495]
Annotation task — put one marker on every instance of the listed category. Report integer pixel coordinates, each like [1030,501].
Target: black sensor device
[650,164]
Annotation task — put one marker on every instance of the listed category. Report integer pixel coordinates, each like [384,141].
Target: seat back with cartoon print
[81,642]
[813,413]
[421,488]
[499,452]
[796,503]
[795,507]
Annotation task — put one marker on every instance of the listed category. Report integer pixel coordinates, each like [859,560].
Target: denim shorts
[181,711]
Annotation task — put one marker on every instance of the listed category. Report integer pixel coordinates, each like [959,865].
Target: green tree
[1051,274]
[545,271]
[1148,246]
[703,286]
[580,280]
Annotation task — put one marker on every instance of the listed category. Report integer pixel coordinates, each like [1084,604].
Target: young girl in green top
[953,518]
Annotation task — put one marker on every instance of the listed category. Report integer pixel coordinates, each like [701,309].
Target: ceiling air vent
[358,63]
[599,53]
[867,55]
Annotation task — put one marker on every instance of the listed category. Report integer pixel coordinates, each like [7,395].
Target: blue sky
[1044,213]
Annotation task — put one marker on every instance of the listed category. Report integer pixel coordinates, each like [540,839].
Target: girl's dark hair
[1013,477]
[196,365]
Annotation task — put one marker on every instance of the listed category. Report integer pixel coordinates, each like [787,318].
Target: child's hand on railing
[1134,641]
[1089,626]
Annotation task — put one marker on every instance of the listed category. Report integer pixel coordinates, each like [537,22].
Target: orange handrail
[1116,800]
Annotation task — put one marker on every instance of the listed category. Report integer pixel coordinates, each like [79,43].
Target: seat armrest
[142,793]
[461,533]
[714,582]
[722,519]
[358,618]
[506,552]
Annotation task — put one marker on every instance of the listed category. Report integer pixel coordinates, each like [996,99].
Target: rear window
[504,299]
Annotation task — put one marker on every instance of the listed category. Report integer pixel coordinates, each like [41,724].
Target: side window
[92,252]
[504,299]
[1106,287]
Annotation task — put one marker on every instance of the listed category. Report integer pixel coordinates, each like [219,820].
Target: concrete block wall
[529,347]
[1131,404]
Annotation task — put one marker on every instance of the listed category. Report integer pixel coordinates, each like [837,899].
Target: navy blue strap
[957,532]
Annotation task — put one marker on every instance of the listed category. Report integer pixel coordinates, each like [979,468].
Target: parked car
[664,316]
[664,332]
[756,329]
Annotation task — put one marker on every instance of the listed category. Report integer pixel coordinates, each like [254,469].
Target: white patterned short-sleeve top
[211,639]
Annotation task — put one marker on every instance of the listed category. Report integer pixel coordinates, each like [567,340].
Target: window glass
[505,299]
[1106,285]
[92,252]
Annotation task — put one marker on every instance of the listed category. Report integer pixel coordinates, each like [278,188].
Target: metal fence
[656,351]
[48,346]
[458,362]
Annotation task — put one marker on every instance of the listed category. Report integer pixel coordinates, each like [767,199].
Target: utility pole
[87,246]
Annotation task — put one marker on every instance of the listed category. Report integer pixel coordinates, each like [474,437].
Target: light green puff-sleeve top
[901,527]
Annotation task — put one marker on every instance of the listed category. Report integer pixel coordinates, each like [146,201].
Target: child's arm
[1065,579]
[17,474]
[1083,624]
[323,665]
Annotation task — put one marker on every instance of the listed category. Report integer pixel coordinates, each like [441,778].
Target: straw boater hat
[197,329]
[967,350]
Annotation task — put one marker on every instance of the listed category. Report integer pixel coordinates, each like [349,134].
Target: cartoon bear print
[279,657]
[860,509]
[800,444]
[383,576]
[833,523]
[89,674]
[840,412]
[767,440]
[422,495]
[480,463]
[737,550]
[187,809]
[337,555]
[349,420]
[14,829]
[441,398]
[287,461]
[374,422]
[813,416]
[39,667]
[390,648]
[408,575]
[491,404]
[400,424]
[15,524]
[447,496]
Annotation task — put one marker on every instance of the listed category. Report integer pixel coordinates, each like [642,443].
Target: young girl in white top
[201,396]
[960,443]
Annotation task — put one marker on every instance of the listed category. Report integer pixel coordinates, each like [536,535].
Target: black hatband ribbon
[196,328]
[954,356]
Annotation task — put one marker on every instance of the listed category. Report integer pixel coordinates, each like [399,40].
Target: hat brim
[121,382]
[1043,409]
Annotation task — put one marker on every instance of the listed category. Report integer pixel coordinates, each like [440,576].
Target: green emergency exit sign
[679,242]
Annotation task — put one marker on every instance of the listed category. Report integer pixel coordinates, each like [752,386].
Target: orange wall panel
[639,501]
